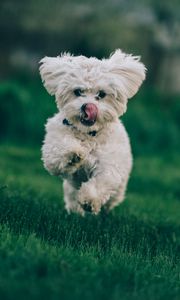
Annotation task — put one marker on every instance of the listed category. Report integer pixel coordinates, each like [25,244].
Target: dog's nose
[89,113]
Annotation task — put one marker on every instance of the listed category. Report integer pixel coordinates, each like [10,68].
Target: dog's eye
[101,94]
[78,92]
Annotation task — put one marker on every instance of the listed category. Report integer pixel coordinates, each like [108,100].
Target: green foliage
[133,253]
[152,122]
[24,108]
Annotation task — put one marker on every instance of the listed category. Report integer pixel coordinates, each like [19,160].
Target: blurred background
[33,29]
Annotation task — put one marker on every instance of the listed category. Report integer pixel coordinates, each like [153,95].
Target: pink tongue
[91,112]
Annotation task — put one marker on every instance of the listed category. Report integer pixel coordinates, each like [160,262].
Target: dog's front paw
[88,199]
[74,207]
[72,161]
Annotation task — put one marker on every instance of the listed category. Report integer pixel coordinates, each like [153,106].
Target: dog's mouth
[87,122]
[88,114]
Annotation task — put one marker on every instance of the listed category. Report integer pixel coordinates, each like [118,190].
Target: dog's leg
[62,156]
[62,153]
[117,198]
[98,190]
[70,198]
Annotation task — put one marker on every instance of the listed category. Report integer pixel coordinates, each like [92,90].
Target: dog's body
[85,142]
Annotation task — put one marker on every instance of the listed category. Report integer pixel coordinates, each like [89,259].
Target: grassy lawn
[47,254]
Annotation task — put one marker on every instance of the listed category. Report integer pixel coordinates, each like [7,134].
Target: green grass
[46,254]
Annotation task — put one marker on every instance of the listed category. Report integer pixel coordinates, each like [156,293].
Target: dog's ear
[48,70]
[52,69]
[129,72]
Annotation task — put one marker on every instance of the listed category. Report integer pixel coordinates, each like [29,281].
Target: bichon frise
[85,142]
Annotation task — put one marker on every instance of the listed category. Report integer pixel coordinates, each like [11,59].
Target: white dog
[85,142]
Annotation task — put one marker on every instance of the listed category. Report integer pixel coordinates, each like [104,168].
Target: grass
[46,254]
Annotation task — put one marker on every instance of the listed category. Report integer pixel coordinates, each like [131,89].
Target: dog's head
[89,91]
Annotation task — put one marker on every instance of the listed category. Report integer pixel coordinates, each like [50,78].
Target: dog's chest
[92,143]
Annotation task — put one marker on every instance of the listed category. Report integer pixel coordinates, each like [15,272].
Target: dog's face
[92,92]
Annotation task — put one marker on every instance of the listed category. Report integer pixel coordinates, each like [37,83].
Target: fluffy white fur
[95,168]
